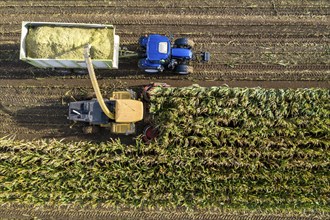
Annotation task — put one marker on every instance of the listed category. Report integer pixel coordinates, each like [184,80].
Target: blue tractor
[158,54]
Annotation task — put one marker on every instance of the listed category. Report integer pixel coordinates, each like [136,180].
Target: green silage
[68,42]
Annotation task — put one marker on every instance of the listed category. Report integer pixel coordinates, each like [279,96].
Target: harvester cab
[119,113]
[159,54]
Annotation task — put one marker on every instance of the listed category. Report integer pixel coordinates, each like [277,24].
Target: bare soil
[28,212]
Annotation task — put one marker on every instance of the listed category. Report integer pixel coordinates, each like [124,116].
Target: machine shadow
[51,122]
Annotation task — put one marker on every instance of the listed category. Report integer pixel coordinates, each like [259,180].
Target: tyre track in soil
[214,71]
[172,3]
[28,212]
[222,27]
[167,19]
[169,4]
[30,112]
[268,9]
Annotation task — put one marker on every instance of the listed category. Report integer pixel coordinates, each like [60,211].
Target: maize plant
[219,148]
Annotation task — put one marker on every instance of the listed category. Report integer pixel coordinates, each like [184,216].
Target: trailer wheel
[184,42]
[184,69]
[151,71]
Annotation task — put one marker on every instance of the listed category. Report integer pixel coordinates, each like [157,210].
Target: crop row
[215,152]
[222,115]
[150,176]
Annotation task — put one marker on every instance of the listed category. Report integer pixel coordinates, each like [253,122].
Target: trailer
[61,45]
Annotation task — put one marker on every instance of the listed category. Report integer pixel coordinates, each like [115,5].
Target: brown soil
[28,212]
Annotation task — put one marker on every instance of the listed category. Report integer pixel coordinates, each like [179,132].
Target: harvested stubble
[219,149]
[68,43]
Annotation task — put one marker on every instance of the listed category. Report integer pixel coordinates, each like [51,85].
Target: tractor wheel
[151,71]
[184,69]
[184,42]
[91,129]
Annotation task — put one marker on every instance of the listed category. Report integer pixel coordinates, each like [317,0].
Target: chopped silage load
[68,42]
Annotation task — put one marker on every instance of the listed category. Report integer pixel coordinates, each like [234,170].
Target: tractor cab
[158,48]
[156,52]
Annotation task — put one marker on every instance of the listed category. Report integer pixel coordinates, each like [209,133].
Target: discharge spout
[96,87]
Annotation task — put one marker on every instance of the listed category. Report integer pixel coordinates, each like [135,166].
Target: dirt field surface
[272,44]
[27,212]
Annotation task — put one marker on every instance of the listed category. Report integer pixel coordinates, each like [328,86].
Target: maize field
[220,149]
[222,153]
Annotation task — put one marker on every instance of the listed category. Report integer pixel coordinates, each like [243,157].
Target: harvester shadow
[41,120]
[51,122]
